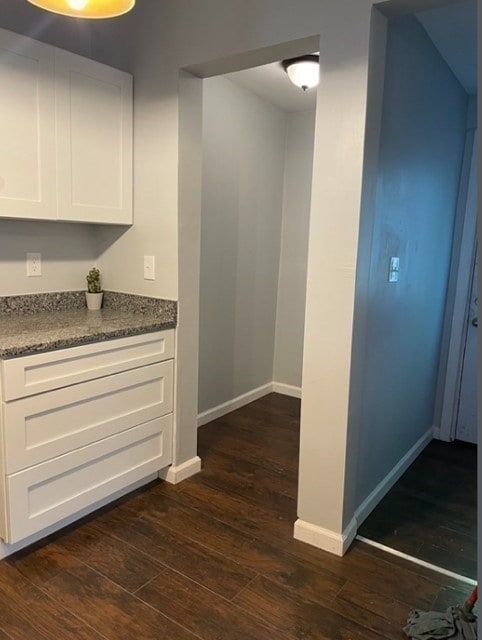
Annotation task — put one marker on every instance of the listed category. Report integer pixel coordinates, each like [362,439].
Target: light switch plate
[149,268]
[394,269]
[394,264]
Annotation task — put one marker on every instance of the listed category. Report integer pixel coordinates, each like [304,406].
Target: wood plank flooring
[213,558]
[431,512]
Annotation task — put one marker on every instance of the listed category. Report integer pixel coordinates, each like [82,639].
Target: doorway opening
[189,222]
[258,136]
[257,156]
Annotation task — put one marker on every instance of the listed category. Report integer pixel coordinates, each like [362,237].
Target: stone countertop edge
[71,300]
[47,322]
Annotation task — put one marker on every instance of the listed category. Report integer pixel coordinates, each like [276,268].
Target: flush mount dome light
[86,8]
[303,71]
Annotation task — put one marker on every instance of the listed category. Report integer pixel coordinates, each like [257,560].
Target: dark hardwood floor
[213,558]
[431,512]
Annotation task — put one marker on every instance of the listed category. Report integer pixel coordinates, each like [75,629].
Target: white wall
[219,37]
[257,167]
[242,203]
[155,42]
[160,40]
[290,314]
[68,252]
[421,150]
[326,483]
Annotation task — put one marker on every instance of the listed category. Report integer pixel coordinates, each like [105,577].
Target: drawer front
[43,495]
[41,372]
[52,424]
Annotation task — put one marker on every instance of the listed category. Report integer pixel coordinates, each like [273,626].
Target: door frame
[468,353]
[458,314]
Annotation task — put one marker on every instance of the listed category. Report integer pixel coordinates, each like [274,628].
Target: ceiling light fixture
[303,71]
[86,8]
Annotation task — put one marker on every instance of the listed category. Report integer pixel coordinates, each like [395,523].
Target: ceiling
[271,83]
[452,29]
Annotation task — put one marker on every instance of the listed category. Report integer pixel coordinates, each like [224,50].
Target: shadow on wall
[420,158]
[68,251]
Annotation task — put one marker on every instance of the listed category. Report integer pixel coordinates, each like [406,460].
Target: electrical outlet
[149,268]
[34,265]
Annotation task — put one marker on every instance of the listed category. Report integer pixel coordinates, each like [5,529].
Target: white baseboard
[244,399]
[336,543]
[236,403]
[8,549]
[391,478]
[176,474]
[287,389]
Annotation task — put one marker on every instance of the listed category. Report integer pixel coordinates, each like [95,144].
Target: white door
[466,426]
[94,140]
[27,128]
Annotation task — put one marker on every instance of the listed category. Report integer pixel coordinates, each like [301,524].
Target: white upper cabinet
[27,128]
[94,140]
[65,135]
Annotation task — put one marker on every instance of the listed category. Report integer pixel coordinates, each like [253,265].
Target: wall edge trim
[250,396]
[176,474]
[383,487]
[325,539]
[287,389]
[236,403]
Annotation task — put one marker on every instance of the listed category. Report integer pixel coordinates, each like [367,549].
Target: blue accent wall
[420,156]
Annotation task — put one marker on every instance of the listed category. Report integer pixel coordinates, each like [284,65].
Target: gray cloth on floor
[434,625]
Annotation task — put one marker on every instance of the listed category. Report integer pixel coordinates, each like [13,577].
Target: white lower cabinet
[72,446]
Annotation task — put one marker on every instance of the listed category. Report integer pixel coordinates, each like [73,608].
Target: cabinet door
[27,128]
[94,141]
[46,493]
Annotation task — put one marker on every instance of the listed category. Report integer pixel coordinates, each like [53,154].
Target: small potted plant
[94,293]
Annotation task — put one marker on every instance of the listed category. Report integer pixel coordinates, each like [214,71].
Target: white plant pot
[94,300]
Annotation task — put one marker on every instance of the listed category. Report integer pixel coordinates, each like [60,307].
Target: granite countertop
[45,322]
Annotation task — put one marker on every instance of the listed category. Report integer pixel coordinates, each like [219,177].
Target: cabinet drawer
[43,495]
[40,372]
[51,424]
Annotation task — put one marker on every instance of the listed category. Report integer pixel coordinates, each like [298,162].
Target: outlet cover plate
[34,265]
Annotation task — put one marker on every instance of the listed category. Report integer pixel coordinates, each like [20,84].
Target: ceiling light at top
[77,5]
[86,8]
[303,71]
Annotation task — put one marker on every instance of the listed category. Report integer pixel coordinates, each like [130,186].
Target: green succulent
[93,281]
